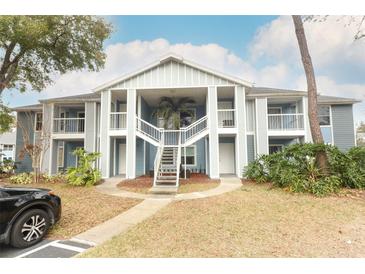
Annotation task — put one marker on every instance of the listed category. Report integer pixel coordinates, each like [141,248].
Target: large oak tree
[34,48]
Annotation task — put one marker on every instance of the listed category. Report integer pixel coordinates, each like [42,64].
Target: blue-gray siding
[70,146]
[26,119]
[140,157]
[343,126]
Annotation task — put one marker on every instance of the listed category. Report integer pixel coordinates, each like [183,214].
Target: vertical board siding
[343,126]
[139,157]
[172,74]
[261,126]
[250,148]
[250,115]
[90,126]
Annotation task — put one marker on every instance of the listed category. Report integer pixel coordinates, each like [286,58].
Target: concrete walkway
[227,184]
[149,206]
[122,222]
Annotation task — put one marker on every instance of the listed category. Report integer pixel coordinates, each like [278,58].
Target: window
[81,121]
[275,148]
[190,156]
[38,121]
[8,148]
[274,110]
[60,155]
[187,118]
[324,115]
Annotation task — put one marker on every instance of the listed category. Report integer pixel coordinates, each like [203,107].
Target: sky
[259,49]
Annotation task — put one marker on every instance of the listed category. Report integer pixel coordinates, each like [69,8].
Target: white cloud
[274,47]
[329,42]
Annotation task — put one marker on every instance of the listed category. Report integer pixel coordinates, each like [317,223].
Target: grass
[255,221]
[82,208]
[194,187]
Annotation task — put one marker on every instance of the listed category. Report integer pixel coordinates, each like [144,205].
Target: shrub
[84,174]
[295,169]
[28,178]
[22,178]
[7,167]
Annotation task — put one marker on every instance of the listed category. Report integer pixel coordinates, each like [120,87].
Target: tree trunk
[312,91]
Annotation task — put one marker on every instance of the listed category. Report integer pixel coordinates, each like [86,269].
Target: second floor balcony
[286,122]
[68,125]
[226,118]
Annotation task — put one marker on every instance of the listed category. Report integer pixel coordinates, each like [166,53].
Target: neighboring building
[7,145]
[234,123]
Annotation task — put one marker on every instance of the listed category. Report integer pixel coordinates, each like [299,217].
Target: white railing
[68,125]
[157,162]
[149,130]
[178,161]
[171,137]
[291,121]
[194,129]
[118,120]
[226,118]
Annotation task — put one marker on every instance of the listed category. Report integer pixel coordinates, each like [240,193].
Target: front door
[226,158]
[122,159]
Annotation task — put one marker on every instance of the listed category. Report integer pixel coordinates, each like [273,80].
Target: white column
[262,139]
[90,126]
[308,134]
[131,133]
[48,158]
[241,139]
[104,134]
[213,132]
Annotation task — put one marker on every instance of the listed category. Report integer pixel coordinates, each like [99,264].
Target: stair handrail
[193,126]
[178,161]
[184,131]
[156,129]
[157,161]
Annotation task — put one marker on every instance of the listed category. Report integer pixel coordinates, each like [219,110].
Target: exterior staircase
[169,144]
[167,172]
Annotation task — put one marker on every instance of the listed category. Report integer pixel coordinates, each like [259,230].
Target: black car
[26,214]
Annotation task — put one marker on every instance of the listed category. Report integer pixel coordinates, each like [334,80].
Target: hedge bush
[295,169]
[84,174]
[26,178]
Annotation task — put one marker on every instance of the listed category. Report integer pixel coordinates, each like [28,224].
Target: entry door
[122,158]
[226,158]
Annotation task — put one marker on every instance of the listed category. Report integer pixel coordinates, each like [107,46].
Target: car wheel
[29,228]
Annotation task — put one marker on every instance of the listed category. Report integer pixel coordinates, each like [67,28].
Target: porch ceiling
[152,96]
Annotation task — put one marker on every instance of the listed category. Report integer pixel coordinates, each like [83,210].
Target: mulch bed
[146,181]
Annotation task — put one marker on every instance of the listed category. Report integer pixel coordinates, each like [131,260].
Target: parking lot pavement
[46,249]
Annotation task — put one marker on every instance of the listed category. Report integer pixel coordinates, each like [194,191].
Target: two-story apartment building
[233,123]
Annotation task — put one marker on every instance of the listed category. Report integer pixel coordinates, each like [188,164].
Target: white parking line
[35,250]
[82,241]
[68,247]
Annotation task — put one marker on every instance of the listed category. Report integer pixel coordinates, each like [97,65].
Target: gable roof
[34,107]
[79,97]
[322,99]
[173,60]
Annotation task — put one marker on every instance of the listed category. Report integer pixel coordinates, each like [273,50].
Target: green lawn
[255,221]
[82,208]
